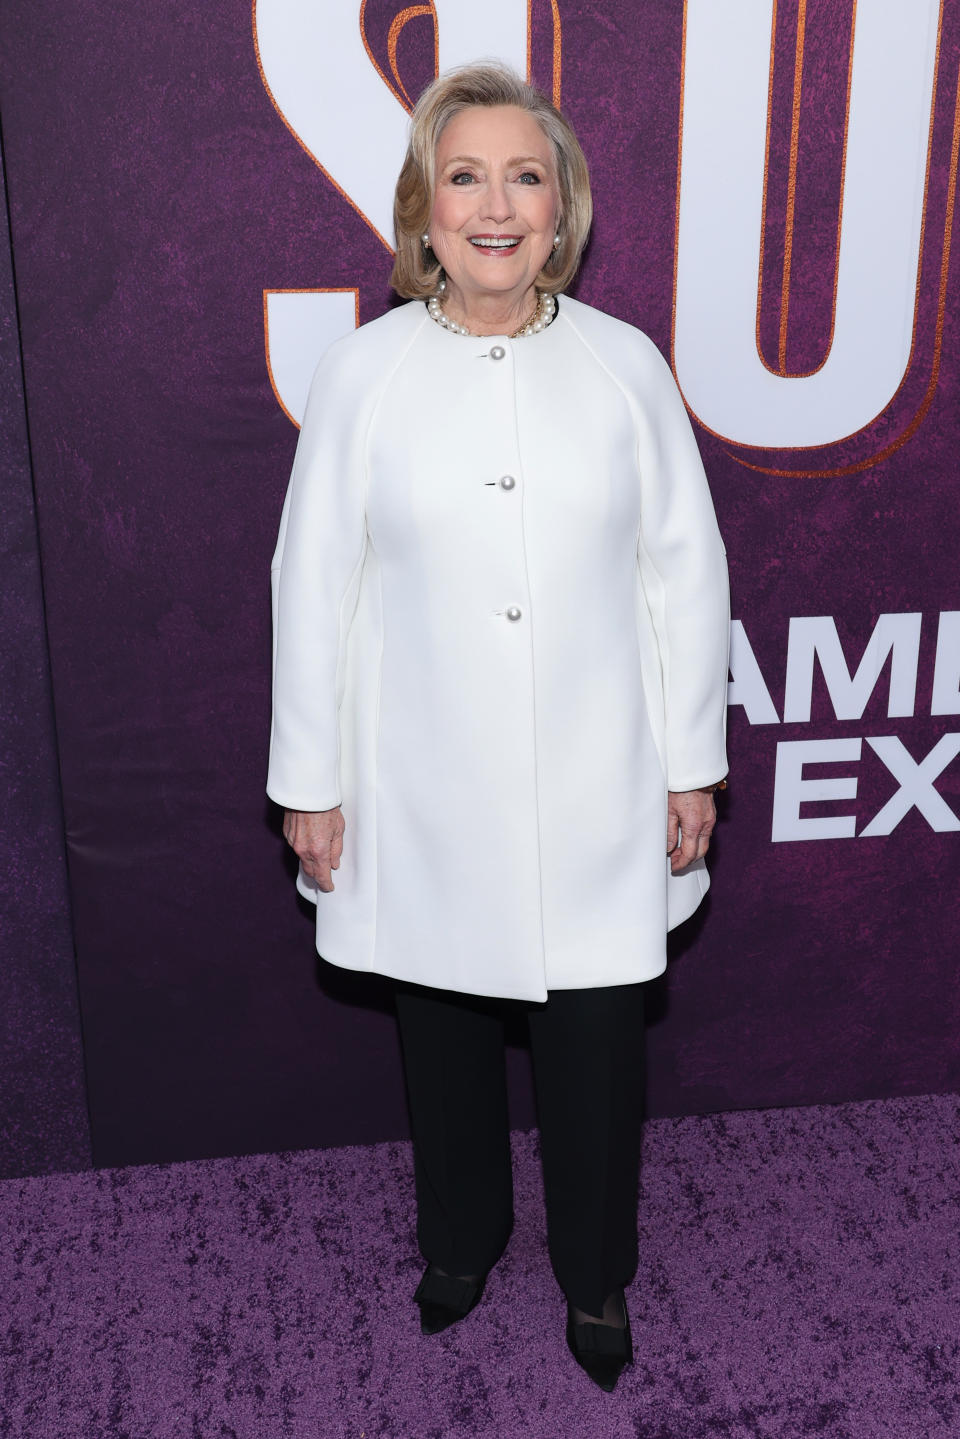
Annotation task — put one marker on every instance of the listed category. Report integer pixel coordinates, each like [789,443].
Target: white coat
[501,624]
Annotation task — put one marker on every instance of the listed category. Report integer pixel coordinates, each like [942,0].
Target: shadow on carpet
[798,1276]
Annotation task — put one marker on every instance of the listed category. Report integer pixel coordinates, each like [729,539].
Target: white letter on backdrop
[747,686]
[894,635]
[946,673]
[725,88]
[916,785]
[791,790]
[321,79]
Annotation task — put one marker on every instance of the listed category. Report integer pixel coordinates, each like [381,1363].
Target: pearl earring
[556,240]
[425,238]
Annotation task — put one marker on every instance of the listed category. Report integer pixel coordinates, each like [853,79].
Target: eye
[462,177]
[529,177]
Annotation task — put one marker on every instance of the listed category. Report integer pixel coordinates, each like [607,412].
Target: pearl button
[497,353]
[507,483]
[514,612]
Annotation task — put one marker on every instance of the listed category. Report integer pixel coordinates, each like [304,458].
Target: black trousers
[588,1062]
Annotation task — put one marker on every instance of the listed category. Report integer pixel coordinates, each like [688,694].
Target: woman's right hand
[316,837]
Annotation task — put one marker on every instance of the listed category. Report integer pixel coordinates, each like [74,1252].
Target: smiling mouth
[496,244]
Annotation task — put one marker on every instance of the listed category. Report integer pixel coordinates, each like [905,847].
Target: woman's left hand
[691,816]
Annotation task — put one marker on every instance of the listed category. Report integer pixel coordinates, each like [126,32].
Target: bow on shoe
[445,1298]
[600,1339]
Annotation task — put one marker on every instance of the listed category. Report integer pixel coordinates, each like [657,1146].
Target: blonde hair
[416,271]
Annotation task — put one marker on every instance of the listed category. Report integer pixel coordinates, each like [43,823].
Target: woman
[501,627]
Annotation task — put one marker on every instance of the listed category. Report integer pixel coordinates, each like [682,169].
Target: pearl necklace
[539,320]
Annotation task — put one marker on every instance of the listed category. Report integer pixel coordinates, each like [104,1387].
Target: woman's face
[496,203]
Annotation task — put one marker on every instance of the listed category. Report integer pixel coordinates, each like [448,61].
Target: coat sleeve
[683,572]
[315,579]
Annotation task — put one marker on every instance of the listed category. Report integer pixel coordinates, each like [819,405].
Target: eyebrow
[515,160]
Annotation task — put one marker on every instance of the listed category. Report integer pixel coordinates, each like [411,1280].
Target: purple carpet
[799,1276]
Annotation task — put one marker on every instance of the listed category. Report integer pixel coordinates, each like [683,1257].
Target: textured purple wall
[43,1112]
[155,193]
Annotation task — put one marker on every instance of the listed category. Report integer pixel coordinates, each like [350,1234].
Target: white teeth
[495,244]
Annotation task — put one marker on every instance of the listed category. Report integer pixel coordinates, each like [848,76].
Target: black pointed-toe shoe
[444,1299]
[602,1351]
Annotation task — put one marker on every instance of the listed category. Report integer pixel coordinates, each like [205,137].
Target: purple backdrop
[43,1115]
[154,194]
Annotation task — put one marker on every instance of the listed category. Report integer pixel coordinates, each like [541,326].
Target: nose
[497,205]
